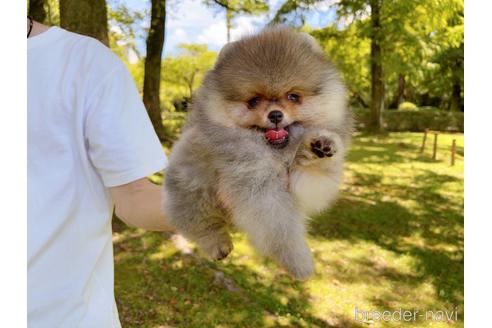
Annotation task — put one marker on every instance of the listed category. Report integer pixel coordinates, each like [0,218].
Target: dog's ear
[312,42]
[225,49]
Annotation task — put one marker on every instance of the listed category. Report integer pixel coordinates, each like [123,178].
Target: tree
[353,9]
[52,9]
[377,83]
[152,75]
[236,7]
[416,50]
[185,72]
[37,10]
[448,54]
[455,69]
[350,54]
[293,12]
[88,17]
[190,66]
[371,11]
[126,28]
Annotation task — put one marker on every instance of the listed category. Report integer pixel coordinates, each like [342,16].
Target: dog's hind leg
[191,211]
[262,207]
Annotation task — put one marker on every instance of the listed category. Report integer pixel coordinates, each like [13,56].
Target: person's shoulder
[91,54]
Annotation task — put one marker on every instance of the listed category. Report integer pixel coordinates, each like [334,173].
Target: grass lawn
[393,240]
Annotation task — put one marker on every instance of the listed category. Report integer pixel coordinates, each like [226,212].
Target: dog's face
[272,80]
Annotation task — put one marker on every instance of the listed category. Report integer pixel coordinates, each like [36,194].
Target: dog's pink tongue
[276,134]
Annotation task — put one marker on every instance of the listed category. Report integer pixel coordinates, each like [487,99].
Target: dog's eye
[253,102]
[293,97]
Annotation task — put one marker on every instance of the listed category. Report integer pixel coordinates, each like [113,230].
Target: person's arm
[121,142]
[139,204]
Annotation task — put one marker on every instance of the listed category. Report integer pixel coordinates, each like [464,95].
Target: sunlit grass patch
[393,240]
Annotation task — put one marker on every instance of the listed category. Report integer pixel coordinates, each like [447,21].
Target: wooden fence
[434,147]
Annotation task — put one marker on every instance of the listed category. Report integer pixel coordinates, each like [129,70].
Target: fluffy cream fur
[224,172]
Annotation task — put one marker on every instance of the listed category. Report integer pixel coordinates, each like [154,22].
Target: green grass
[393,240]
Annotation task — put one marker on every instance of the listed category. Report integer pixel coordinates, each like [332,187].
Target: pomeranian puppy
[262,150]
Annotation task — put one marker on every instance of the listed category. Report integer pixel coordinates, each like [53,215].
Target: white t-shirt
[87,130]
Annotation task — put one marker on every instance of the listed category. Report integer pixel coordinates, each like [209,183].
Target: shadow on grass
[382,150]
[180,290]
[432,233]
[413,217]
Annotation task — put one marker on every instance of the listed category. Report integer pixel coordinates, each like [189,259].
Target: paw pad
[323,147]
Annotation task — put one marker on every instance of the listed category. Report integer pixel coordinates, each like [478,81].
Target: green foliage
[123,33]
[394,239]
[422,47]
[52,9]
[353,65]
[137,70]
[182,74]
[415,120]
[293,12]
[173,123]
[125,29]
[422,44]
[249,7]
[233,8]
[407,105]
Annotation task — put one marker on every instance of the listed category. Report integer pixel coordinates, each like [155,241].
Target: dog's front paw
[323,146]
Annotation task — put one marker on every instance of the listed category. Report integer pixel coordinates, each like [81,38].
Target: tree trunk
[88,17]
[401,89]
[399,95]
[229,14]
[152,76]
[455,98]
[377,85]
[36,10]
[190,82]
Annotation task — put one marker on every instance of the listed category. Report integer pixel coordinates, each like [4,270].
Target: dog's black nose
[275,116]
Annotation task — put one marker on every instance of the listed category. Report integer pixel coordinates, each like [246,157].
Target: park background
[393,240]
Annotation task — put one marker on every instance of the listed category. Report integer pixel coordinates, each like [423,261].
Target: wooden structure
[434,147]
